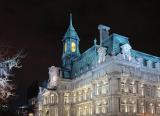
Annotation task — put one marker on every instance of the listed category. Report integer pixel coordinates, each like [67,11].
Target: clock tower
[70,49]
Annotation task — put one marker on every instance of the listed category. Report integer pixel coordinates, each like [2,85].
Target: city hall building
[108,79]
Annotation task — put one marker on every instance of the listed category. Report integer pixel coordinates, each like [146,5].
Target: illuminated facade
[109,79]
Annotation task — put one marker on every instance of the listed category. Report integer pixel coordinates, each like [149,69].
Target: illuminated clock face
[65,47]
[73,47]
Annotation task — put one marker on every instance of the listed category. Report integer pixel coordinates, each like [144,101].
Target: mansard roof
[113,47]
[138,54]
[85,61]
[114,42]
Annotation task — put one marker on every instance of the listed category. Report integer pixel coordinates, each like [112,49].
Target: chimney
[104,33]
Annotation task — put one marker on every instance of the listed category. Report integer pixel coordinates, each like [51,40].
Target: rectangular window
[144,62]
[122,86]
[123,108]
[66,98]
[79,96]
[84,95]
[56,111]
[98,109]
[104,109]
[158,109]
[104,87]
[130,88]
[148,91]
[99,90]
[153,64]
[74,98]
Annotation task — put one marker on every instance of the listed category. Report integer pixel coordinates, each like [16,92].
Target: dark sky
[39,25]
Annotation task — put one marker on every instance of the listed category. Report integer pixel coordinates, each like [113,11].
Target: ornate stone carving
[126,51]
[101,53]
[53,76]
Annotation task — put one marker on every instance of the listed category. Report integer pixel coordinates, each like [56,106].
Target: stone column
[136,84]
[137,107]
[114,100]
[113,85]
[60,104]
[119,84]
[114,105]
[93,108]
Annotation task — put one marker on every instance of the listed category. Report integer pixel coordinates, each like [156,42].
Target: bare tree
[6,66]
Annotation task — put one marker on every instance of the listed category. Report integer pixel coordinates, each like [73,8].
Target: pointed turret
[70,48]
[71,33]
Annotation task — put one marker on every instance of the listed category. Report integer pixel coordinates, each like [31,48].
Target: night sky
[38,26]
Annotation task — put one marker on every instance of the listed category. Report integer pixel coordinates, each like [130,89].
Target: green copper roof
[138,54]
[85,61]
[114,42]
[71,33]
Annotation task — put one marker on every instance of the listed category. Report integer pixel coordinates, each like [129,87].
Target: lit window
[85,94]
[74,98]
[104,109]
[124,105]
[98,89]
[56,111]
[80,111]
[104,87]
[73,47]
[98,109]
[80,96]
[66,98]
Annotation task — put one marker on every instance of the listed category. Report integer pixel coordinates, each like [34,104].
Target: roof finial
[70,18]
[95,41]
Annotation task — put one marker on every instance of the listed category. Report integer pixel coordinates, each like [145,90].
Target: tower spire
[71,33]
[70,19]
[70,48]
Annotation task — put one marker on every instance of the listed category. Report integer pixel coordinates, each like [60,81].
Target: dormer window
[144,62]
[154,65]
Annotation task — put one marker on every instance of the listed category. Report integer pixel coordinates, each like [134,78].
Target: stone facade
[110,79]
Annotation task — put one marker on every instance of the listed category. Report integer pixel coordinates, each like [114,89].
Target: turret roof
[71,33]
